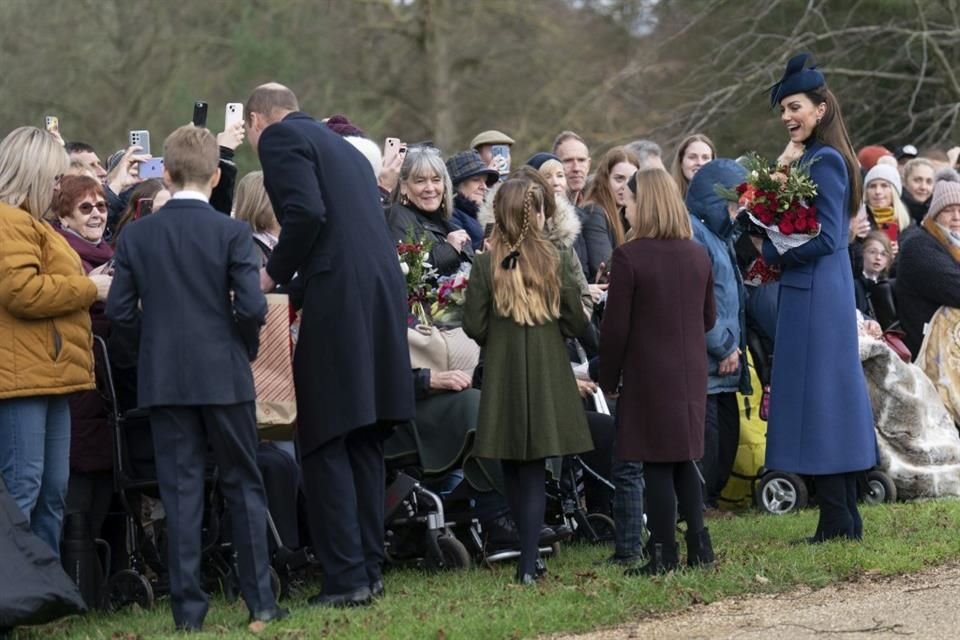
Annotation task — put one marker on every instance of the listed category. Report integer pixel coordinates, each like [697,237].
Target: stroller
[779,492]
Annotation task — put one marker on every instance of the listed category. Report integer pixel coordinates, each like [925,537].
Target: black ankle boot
[663,559]
[700,549]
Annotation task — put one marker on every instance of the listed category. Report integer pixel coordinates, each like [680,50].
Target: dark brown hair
[832,132]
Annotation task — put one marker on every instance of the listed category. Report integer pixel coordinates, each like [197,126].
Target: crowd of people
[610,299]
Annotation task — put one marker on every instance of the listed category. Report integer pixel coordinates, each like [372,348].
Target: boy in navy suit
[187,278]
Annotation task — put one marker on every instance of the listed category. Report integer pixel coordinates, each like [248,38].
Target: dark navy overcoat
[352,365]
[820,416]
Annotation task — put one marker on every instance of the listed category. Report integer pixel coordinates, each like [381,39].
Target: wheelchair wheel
[603,527]
[880,488]
[277,584]
[128,587]
[779,493]
[453,555]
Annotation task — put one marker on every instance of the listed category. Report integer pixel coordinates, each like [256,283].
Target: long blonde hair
[661,212]
[31,161]
[526,284]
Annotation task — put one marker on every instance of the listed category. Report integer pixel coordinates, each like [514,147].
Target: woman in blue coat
[821,423]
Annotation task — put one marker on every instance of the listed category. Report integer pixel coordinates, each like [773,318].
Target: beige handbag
[442,349]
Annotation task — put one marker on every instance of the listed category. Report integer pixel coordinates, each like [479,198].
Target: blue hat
[537,160]
[797,78]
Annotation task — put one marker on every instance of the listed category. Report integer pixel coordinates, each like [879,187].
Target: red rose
[786,227]
[741,188]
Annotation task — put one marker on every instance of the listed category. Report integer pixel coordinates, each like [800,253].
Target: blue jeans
[35,460]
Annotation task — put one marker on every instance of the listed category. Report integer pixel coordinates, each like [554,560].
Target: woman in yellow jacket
[45,338]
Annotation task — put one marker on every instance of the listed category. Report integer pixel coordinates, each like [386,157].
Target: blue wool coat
[820,416]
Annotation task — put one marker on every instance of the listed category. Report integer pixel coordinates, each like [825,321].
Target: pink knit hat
[945,193]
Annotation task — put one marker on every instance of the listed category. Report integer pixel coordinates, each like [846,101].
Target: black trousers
[281,481]
[180,437]
[344,483]
[720,443]
[839,515]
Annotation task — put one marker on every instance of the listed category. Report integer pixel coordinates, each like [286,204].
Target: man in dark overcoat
[351,365]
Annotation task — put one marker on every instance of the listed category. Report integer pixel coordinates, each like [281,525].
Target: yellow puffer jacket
[46,345]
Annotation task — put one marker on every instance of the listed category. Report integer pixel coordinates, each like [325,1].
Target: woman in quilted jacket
[45,335]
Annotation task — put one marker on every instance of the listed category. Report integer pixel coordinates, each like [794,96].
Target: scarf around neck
[948,239]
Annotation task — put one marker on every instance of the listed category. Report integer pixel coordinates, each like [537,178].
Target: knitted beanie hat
[885,172]
[945,193]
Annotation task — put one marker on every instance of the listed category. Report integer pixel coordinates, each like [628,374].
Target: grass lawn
[754,555]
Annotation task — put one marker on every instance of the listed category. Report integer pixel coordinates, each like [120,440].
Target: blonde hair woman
[659,307]
[44,301]
[522,301]
[252,205]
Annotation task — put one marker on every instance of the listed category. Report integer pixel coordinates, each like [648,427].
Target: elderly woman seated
[421,210]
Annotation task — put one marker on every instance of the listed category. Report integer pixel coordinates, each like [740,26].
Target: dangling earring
[818,119]
[404,200]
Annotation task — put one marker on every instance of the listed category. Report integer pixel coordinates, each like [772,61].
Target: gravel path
[921,605]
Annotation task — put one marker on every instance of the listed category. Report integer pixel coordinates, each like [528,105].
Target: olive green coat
[529,407]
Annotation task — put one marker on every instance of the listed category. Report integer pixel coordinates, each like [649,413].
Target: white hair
[370,151]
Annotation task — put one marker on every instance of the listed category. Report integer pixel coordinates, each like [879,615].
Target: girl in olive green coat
[523,299]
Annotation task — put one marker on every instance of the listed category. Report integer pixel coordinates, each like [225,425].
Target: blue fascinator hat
[800,75]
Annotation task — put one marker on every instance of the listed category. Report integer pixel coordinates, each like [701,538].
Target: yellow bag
[738,492]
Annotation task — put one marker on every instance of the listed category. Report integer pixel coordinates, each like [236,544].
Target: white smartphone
[52,124]
[232,114]
[141,138]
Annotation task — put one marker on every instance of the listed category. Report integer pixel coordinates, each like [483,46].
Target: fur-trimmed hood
[563,227]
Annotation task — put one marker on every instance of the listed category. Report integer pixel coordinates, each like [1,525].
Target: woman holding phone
[821,422]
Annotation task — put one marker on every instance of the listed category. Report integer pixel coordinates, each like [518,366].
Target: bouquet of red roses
[780,201]
[414,258]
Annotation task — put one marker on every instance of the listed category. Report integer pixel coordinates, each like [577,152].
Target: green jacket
[529,407]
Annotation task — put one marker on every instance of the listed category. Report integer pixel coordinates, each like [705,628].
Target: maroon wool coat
[659,307]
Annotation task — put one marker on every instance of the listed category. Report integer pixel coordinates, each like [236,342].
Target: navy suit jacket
[352,365]
[187,278]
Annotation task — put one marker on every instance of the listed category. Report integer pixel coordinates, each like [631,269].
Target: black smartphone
[200,113]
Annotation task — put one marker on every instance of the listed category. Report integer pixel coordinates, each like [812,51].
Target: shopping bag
[273,373]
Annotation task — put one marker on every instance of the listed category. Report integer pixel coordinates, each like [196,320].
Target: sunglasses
[86,208]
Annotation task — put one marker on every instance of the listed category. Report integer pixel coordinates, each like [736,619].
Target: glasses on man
[86,208]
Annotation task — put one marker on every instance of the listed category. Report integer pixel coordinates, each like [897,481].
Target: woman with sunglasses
[46,354]
[81,208]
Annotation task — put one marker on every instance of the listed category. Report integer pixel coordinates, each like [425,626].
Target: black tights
[525,482]
[839,516]
[670,484]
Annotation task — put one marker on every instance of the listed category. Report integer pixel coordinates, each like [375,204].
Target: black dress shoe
[377,590]
[357,598]
[277,613]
